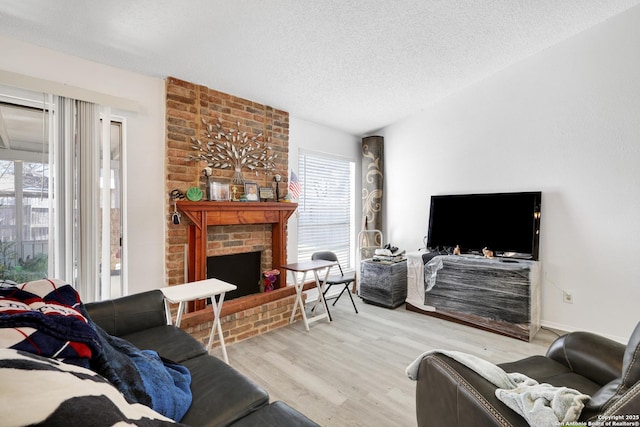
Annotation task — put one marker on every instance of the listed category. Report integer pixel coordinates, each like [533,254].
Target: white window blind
[326,207]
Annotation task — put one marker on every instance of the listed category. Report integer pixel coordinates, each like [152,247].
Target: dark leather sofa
[448,393]
[222,396]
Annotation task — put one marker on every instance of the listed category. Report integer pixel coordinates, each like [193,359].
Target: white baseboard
[567,328]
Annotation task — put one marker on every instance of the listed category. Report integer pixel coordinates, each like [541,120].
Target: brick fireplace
[204,216]
[189,107]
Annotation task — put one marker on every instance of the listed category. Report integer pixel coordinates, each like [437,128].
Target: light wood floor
[351,372]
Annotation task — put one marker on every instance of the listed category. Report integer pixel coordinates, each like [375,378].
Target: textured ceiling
[355,65]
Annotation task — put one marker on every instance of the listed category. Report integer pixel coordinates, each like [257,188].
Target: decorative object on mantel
[251,191]
[266,194]
[237,187]
[233,149]
[219,190]
[294,187]
[194,194]
[277,178]
[456,250]
[237,190]
[176,195]
[207,177]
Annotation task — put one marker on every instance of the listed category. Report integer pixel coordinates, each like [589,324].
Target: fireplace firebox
[242,270]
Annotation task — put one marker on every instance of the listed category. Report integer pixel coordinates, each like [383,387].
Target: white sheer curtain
[61,189]
[88,243]
[76,158]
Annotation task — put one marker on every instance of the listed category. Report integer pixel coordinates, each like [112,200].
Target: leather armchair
[448,393]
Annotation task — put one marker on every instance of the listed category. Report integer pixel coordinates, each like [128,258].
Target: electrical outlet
[567,297]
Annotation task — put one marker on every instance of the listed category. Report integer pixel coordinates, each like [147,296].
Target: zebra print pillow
[39,391]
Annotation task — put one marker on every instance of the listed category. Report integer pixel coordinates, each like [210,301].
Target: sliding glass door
[24,186]
[61,198]
[111,210]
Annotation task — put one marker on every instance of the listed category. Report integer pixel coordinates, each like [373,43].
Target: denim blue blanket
[46,318]
[142,376]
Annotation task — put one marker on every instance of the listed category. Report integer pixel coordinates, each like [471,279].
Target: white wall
[320,139]
[145,157]
[567,122]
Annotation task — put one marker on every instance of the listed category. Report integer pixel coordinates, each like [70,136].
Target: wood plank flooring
[351,372]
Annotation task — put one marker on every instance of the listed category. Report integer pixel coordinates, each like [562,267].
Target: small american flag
[294,186]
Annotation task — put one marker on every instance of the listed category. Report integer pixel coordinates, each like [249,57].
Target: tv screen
[506,223]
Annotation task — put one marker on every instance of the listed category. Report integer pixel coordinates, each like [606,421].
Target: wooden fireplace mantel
[203,214]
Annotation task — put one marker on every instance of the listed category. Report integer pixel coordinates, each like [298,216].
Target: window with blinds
[326,207]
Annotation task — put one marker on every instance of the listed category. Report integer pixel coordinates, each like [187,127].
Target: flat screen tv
[506,223]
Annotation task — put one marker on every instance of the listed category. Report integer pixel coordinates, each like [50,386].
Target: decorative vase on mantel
[237,185]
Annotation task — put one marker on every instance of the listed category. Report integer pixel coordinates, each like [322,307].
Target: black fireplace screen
[242,270]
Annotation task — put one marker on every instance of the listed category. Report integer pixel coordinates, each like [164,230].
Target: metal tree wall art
[233,149]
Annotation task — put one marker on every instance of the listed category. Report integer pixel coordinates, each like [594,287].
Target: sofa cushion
[276,414]
[168,341]
[36,390]
[221,395]
[129,314]
[545,370]
[575,351]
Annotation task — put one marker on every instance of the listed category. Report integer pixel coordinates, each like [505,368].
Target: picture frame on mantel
[251,191]
[219,190]
[266,194]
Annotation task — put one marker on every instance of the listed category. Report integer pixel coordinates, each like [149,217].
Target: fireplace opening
[242,270]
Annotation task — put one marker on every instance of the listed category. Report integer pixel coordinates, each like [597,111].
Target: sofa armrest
[129,314]
[592,356]
[450,394]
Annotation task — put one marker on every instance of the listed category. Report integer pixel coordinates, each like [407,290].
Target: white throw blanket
[541,405]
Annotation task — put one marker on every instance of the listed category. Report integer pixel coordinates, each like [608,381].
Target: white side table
[209,288]
[304,267]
